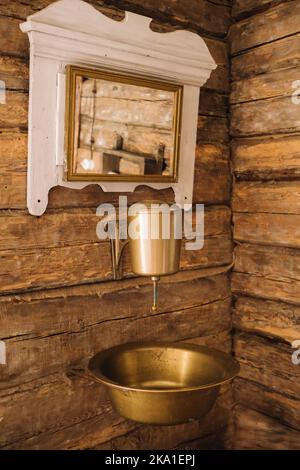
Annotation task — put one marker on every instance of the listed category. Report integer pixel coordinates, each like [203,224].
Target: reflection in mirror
[121,127]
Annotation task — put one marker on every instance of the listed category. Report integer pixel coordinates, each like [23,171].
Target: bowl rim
[96,362]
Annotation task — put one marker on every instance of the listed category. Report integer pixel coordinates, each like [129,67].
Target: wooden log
[213,103]
[60,234]
[14,113]
[250,284]
[14,42]
[267,58]
[219,79]
[212,129]
[241,8]
[101,329]
[74,227]
[92,263]
[266,261]
[212,164]
[268,362]
[73,413]
[203,16]
[281,197]
[187,288]
[256,431]
[268,85]
[271,116]
[268,26]
[268,318]
[279,406]
[268,229]
[14,72]
[267,272]
[267,158]
[19,9]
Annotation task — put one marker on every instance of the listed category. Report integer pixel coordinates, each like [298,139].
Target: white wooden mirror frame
[74,32]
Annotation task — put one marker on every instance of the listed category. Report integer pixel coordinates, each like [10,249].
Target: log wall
[58,303]
[265,128]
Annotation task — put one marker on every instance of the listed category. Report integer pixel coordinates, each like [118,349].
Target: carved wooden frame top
[74,32]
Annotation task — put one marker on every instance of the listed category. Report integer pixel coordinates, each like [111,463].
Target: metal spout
[155,280]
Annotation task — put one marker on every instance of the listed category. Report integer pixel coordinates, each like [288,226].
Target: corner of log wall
[58,303]
[265,148]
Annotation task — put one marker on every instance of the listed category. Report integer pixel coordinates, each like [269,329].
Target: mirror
[121,128]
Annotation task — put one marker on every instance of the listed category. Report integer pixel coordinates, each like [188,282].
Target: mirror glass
[121,127]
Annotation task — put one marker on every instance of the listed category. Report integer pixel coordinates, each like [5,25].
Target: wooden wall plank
[282,407]
[14,113]
[256,431]
[267,318]
[267,272]
[276,23]
[267,58]
[14,42]
[14,72]
[57,266]
[273,262]
[266,158]
[212,129]
[268,229]
[254,285]
[201,15]
[278,198]
[271,116]
[75,347]
[268,362]
[267,85]
[55,310]
[242,8]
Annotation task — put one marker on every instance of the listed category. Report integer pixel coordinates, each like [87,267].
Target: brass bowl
[162,383]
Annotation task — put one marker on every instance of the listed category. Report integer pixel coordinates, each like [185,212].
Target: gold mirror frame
[72,73]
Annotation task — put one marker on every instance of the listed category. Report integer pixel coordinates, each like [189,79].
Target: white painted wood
[74,32]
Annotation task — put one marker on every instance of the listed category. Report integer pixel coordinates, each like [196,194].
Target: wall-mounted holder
[72,32]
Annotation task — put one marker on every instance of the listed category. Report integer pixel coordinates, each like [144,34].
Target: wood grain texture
[268,362]
[267,58]
[273,197]
[267,318]
[256,431]
[241,8]
[283,408]
[92,424]
[268,229]
[266,158]
[270,116]
[273,24]
[263,86]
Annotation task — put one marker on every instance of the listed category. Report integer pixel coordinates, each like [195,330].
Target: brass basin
[162,383]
